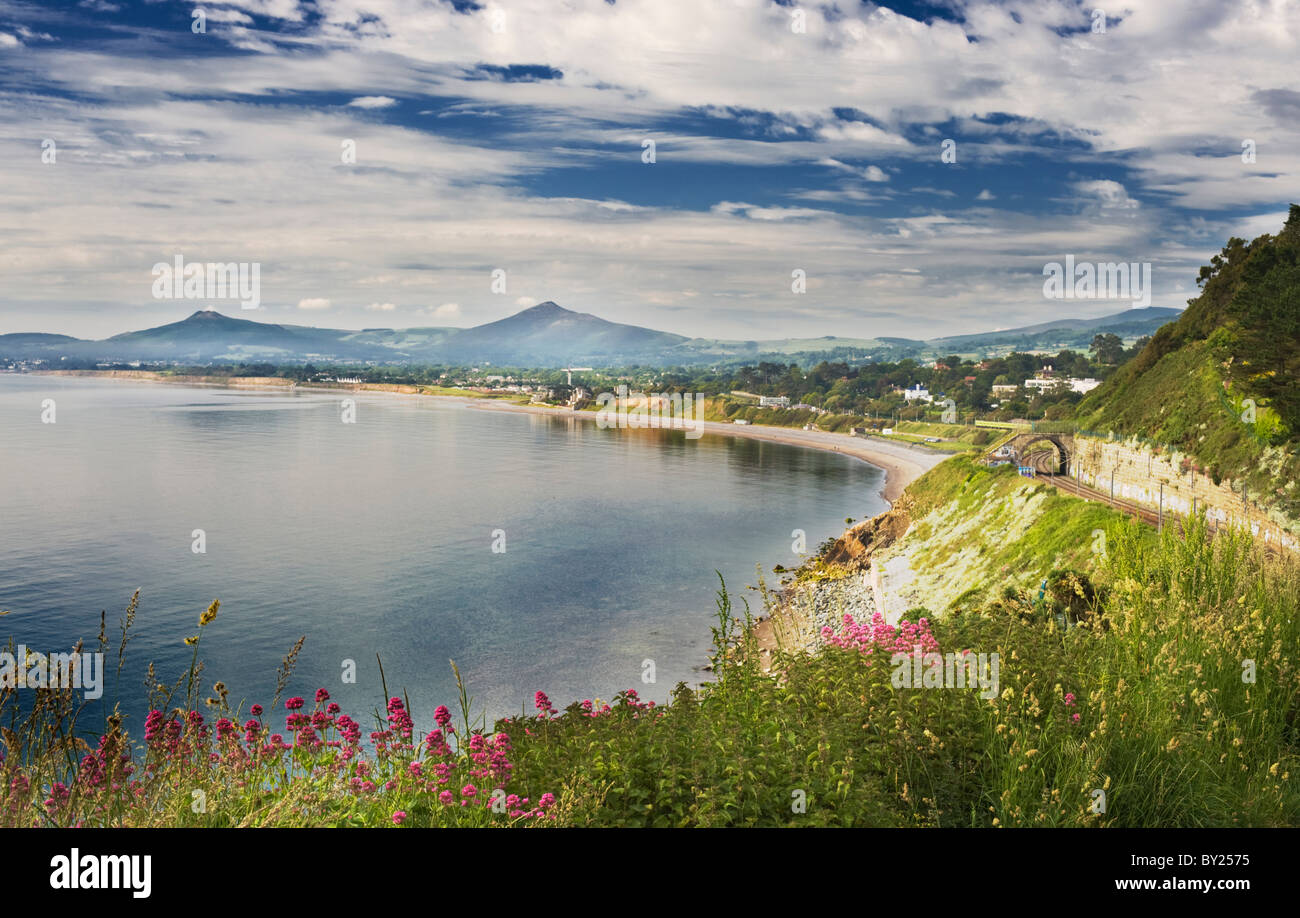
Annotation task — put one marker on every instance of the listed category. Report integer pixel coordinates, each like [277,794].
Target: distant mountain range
[545,335]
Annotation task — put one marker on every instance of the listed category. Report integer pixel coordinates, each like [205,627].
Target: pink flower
[256,710]
[293,704]
[1074,717]
[442,716]
[446,797]
[399,817]
[1069,699]
[322,695]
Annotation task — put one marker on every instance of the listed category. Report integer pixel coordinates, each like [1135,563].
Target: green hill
[1220,383]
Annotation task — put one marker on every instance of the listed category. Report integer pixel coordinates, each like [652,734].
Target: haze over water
[375,538]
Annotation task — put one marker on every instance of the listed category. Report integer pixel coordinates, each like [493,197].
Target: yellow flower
[191,641]
[210,614]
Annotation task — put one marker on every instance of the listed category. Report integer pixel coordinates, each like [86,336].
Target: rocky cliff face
[854,548]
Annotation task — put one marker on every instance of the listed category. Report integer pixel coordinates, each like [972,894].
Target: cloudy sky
[381,158]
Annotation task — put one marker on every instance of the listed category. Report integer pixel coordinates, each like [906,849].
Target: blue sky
[510,136]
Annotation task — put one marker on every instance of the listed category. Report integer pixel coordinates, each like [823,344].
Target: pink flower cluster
[880,635]
[1069,703]
[325,741]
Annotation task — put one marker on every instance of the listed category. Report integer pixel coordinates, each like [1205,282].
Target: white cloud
[314,303]
[381,307]
[447,311]
[985,195]
[1107,193]
[373,102]
[8,41]
[229,16]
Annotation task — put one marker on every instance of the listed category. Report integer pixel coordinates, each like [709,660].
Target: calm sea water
[375,538]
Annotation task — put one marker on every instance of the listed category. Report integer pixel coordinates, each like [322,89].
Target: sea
[537,552]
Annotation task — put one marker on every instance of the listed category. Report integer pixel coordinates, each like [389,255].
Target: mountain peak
[550,307]
[203,314]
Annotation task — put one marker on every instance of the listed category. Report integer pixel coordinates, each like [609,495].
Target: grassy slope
[977,531]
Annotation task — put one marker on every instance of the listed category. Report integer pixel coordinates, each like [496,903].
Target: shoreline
[901,465]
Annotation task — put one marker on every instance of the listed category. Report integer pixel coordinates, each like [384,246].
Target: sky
[379,160]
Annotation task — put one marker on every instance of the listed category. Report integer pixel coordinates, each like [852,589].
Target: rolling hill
[543,335]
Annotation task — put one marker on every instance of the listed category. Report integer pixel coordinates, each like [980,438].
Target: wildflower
[293,704]
[1075,717]
[399,817]
[322,695]
[256,710]
[211,613]
[333,708]
[446,797]
[191,641]
[442,716]
[1069,699]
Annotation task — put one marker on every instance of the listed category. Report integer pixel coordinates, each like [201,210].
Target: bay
[375,539]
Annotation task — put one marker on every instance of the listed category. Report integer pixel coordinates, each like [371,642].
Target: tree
[1108,348]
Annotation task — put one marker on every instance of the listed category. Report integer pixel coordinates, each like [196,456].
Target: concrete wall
[1138,472]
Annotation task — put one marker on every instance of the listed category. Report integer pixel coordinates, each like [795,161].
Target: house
[1044,385]
[773,401]
[917,394]
[1005,389]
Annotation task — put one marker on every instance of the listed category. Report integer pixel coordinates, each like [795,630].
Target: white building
[773,401]
[1084,385]
[1045,385]
[917,393]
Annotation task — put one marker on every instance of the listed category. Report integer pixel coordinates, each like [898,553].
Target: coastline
[901,465]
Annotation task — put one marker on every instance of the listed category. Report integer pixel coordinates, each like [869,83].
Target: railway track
[1045,465]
